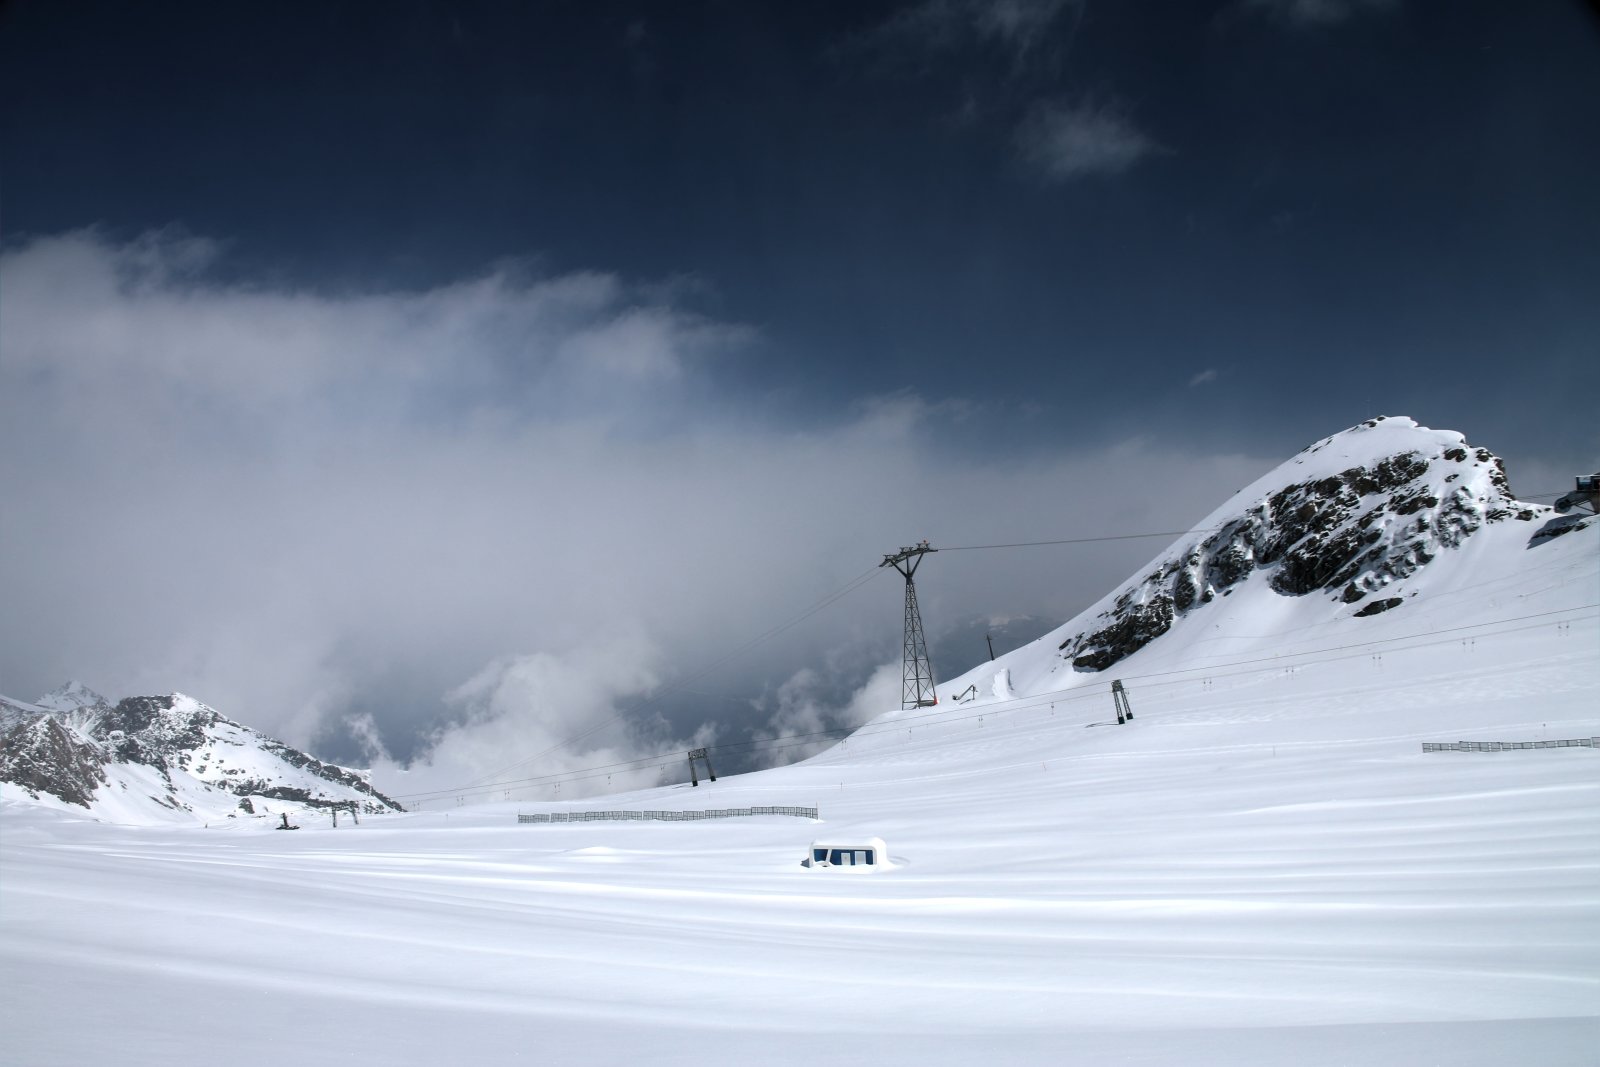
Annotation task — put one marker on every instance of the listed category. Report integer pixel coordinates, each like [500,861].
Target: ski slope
[1263,867]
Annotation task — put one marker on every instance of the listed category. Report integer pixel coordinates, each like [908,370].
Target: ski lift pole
[1119,696]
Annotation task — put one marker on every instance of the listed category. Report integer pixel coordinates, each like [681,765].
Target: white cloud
[108,318]
[491,514]
[1063,141]
[542,714]
[807,718]
[1204,377]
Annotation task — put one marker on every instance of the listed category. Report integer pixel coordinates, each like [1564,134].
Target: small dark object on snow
[285,824]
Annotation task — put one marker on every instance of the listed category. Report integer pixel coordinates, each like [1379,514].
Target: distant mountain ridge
[76,700]
[164,756]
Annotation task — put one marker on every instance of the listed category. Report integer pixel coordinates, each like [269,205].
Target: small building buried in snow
[866,855]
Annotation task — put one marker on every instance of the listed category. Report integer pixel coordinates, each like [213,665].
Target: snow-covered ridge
[163,757]
[1351,515]
[74,697]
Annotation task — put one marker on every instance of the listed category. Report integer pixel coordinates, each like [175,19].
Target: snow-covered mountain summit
[164,757]
[74,696]
[1355,525]
[76,705]
[1351,517]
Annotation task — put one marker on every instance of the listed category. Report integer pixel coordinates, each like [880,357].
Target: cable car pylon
[916,690]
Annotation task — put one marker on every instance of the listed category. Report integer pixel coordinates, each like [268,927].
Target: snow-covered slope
[1358,524]
[1262,868]
[159,759]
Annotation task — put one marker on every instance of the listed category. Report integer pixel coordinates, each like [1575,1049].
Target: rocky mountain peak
[73,696]
[172,751]
[45,755]
[152,730]
[1350,515]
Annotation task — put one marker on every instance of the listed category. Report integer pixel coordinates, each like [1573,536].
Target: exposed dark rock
[1560,526]
[1348,534]
[1138,626]
[1412,503]
[147,730]
[43,756]
[65,750]
[1378,607]
[1185,591]
[1497,470]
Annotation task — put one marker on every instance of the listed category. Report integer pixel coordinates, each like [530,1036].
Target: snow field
[1265,866]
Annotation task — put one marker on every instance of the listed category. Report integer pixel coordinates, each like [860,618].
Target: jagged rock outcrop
[149,730]
[45,756]
[67,743]
[1346,529]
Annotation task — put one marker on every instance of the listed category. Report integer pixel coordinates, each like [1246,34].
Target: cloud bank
[453,530]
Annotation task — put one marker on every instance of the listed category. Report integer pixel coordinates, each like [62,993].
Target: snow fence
[1507,746]
[664,816]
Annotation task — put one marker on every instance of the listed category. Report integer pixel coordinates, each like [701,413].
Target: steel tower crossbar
[917,687]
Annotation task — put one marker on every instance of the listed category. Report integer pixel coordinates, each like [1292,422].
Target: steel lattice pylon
[916,689]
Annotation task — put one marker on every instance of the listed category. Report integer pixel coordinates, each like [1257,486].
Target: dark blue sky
[384,371]
[1340,208]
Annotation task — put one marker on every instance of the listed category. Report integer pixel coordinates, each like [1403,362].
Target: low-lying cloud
[451,530]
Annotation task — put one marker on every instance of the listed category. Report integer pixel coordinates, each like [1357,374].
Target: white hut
[863,856]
